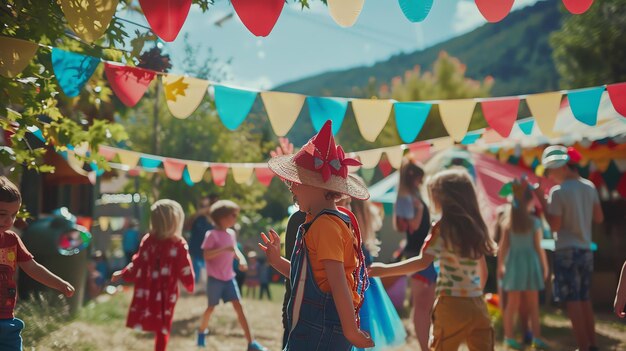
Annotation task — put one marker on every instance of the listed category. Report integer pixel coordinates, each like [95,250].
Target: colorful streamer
[410,119]
[584,104]
[345,12]
[15,55]
[259,16]
[89,19]
[233,105]
[322,109]
[415,10]
[128,83]
[72,70]
[166,17]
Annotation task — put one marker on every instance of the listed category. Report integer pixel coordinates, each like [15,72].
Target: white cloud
[467,17]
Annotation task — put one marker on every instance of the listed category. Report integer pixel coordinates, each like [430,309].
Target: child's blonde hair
[462,226]
[166,219]
[222,209]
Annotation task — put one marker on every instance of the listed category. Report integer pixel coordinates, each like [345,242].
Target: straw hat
[321,164]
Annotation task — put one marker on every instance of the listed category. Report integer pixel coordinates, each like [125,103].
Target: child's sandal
[255,346]
[512,344]
[539,344]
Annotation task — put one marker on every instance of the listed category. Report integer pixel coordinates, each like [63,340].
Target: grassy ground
[101,326]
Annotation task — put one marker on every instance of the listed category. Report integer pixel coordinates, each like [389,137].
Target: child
[14,254]
[571,209]
[162,260]
[378,315]
[619,305]
[327,271]
[220,249]
[252,281]
[460,242]
[413,218]
[522,264]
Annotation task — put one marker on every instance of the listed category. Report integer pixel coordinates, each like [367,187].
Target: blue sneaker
[539,344]
[511,344]
[255,346]
[201,338]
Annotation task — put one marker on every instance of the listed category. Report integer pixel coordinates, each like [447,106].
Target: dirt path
[104,329]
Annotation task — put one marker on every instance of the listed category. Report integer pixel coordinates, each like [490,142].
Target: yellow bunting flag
[345,12]
[282,109]
[394,156]
[545,107]
[196,170]
[89,19]
[104,223]
[371,116]
[456,116]
[128,158]
[15,55]
[370,158]
[183,94]
[242,175]
[441,144]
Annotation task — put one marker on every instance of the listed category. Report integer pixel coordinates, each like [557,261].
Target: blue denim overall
[318,327]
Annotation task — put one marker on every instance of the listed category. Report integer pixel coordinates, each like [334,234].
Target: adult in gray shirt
[571,208]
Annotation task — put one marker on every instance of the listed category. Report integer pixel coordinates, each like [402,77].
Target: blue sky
[307,42]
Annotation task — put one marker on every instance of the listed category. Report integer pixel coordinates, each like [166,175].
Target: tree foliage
[590,49]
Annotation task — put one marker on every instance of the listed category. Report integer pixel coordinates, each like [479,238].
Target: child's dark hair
[221,209]
[9,191]
[462,226]
[409,173]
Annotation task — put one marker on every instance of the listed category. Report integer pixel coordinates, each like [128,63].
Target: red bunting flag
[128,83]
[385,167]
[617,94]
[494,10]
[166,17]
[264,175]
[259,16]
[577,6]
[501,114]
[420,150]
[173,168]
[219,173]
[621,186]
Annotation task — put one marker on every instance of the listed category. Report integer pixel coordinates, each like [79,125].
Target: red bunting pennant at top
[166,17]
[501,114]
[259,16]
[174,168]
[494,10]
[128,83]
[577,6]
[219,173]
[617,94]
[264,175]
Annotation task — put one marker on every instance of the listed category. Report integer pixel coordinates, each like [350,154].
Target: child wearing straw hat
[327,270]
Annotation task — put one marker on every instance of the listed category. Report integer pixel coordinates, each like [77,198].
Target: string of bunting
[90,19]
[184,94]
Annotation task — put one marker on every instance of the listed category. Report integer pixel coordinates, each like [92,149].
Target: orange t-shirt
[329,238]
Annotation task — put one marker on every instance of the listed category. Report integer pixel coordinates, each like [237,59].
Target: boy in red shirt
[13,254]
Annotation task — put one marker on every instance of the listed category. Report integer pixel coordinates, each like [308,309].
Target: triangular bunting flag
[526,126]
[128,158]
[149,162]
[420,150]
[15,55]
[491,136]
[456,116]
[219,174]
[104,223]
[617,94]
[259,16]
[501,114]
[128,83]
[367,174]
[242,175]
[72,70]
[584,104]
[183,94]
[385,167]
[174,168]
[264,175]
[166,17]
[394,156]
[371,116]
[322,109]
[282,109]
[410,118]
[369,158]
[89,19]
[187,178]
[544,107]
[416,10]
[233,105]
[442,143]
[577,7]
[196,171]
[494,11]
[107,153]
[471,138]
[345,12]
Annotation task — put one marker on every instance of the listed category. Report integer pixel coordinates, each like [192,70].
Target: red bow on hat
[321,155]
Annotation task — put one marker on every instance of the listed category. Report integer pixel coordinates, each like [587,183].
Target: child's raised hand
[619,304]
[271,246]
[117,276]
[377,269]
[359,339]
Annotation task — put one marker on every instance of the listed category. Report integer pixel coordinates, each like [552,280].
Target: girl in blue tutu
[378,315]
[522,264]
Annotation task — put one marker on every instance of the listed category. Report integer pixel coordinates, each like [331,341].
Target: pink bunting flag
[577,6]
[219,173]
[494,10]
[259,16]
[617,94]
[501,114]
[166,17]
[174,168]
[420,150]
[128,83]
[264,175]
[107,153]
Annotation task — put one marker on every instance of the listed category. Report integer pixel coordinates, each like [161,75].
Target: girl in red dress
[162,260]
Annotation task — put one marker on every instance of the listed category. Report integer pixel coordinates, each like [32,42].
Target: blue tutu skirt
[380,318]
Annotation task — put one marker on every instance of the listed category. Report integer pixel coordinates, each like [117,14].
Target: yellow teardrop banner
[545,107]
[242,175]
[345,12]
[128,158]
[394,156]
[89,19]
[183,94]
[456,116]
[370,158]
[441,144]
[196,170]
[371,116]
[282,109]
[15,55]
